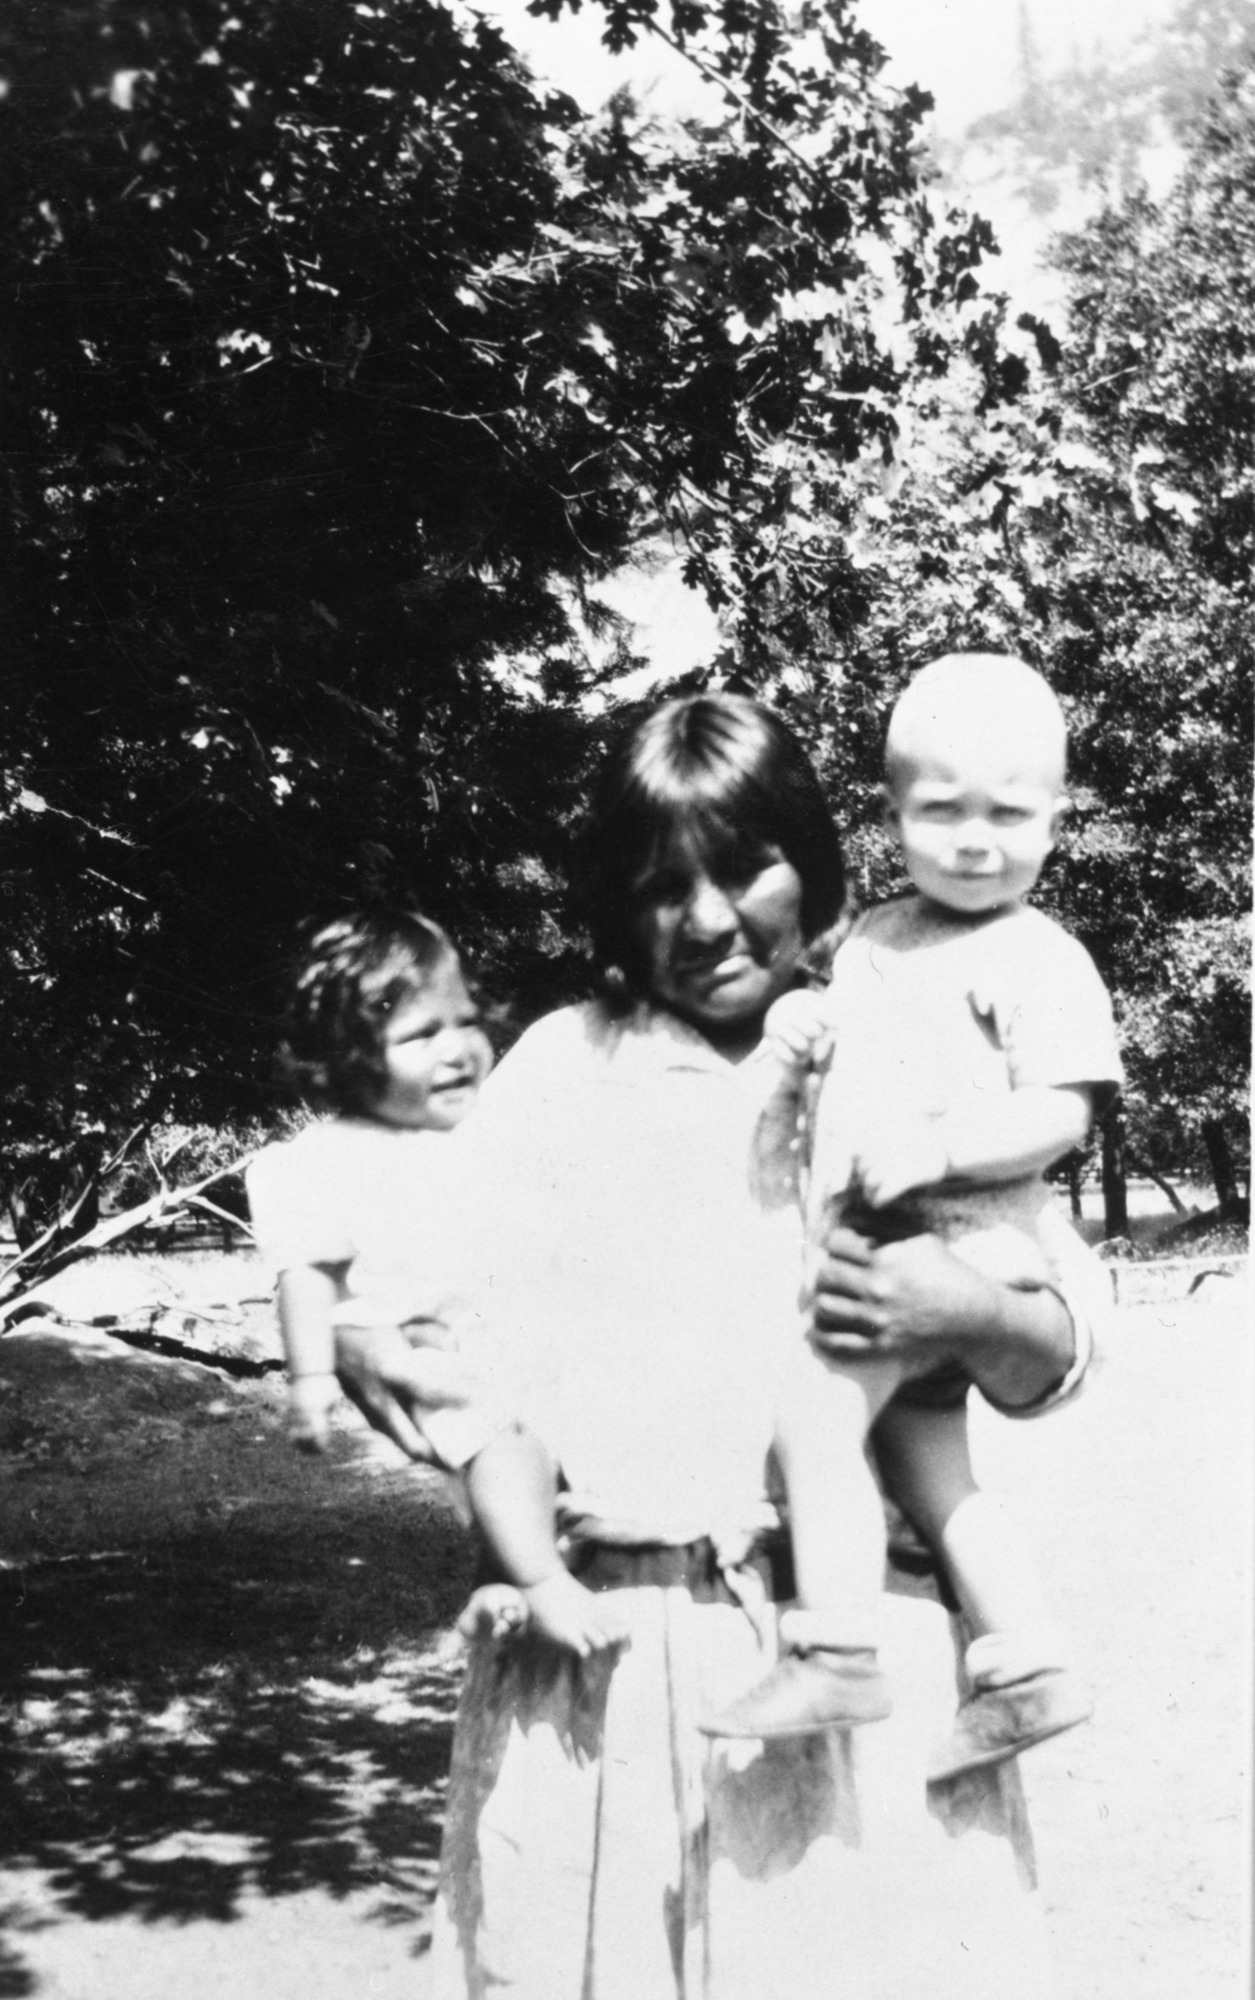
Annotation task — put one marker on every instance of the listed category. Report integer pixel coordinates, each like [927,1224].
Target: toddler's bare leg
[924,1456]
[836,1514]
[511,1485]
[928,1468]
[827,1677]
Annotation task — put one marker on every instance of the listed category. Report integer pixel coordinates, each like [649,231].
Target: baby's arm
[1016,1135]
[798,1030]
[307,1296]
[984,1139]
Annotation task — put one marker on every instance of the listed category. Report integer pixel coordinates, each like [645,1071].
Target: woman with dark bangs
[645,1247]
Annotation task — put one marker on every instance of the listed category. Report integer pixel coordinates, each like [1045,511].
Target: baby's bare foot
[311,1399]
[564,1611]
[495,1611]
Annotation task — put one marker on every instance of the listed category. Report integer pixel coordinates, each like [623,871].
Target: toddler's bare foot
[564,1611]
[494,1611]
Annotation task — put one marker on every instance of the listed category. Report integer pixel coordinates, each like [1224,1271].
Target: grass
[1156,1230]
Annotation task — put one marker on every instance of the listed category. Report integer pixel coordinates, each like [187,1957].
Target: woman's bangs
[715,824]
[718,841]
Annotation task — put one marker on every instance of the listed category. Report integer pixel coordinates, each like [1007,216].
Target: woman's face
[721,935]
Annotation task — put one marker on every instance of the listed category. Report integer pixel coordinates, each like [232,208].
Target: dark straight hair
[721,775]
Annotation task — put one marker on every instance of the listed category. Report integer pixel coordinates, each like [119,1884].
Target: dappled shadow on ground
[257,1708]
[16,1978]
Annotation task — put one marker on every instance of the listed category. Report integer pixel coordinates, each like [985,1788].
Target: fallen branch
[240,1367]
[56,1229]
[61,1223]
[221,1214]
[168,1202]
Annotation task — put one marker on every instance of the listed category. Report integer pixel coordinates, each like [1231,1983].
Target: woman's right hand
[916,1302]
[893,1300]
[390,1379]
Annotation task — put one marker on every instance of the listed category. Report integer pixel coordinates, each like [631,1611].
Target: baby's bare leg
[511,1485]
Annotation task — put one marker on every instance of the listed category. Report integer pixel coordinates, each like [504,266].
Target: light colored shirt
[931,1013]
[636,1261]
[390,1207]
[383,1200]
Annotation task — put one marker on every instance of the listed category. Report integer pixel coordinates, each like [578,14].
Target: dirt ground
[227,1722]
[1139,1497]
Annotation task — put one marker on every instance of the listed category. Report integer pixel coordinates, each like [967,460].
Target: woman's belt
[751,1562]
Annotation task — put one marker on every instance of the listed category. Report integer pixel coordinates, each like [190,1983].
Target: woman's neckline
[734,1049]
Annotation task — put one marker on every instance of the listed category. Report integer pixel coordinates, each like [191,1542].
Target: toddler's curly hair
[350,977]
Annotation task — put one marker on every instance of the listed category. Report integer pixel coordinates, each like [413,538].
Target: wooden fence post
[1115,1188]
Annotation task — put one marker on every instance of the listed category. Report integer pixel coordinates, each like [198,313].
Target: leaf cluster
[340,362]
[1100,521]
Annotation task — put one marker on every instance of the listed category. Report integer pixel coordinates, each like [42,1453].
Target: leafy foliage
[1159,630]
[341,362]
[1101,521]
[275,504]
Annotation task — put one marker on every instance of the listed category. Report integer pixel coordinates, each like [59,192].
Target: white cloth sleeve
[1060,1028]
[296,1205]
[1083,1282]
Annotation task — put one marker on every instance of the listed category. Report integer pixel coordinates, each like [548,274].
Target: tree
[339,363]
[1157,635]
[1099,517]
[275,504]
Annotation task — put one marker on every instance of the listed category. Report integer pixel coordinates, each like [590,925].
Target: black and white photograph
[627,653]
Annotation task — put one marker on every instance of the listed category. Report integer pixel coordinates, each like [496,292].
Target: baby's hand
[905,1156]
[311,1399]
[798,1030]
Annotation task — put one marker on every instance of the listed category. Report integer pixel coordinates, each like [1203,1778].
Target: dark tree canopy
[276,502]
[340,362]
[1100,520]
